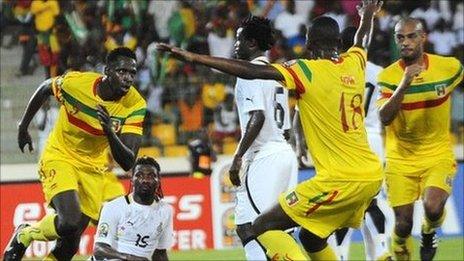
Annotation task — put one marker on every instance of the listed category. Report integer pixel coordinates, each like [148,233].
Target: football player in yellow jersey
[97,112]
[415,107]
[348,173]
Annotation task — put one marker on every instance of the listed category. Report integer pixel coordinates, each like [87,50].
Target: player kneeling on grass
[137,226]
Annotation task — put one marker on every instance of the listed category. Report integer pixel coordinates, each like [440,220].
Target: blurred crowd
[182,98]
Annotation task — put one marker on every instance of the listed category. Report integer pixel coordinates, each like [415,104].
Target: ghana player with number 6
[264,164]
[97,112]
[420,163]
[330,90]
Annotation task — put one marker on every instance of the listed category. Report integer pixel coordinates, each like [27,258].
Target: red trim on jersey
[424,104]
[299,86]
[363,61]
[425,57]
[386,95]
[325,202]
[83,125]
[136,124]
[95,84]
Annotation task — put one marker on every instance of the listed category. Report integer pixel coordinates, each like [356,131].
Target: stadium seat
[149,151]
[176,151]
[165,133]
[229,147]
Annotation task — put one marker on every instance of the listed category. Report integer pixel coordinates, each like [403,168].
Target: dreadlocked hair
[259,29]
[146,160]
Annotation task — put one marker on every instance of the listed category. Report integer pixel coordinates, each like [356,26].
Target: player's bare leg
[62,225]
[269,228]
[434,204]
[316,247]
[402,241]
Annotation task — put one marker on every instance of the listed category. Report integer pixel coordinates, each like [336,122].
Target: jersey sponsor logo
[347,80]
[103,229]
[291,199]
[440,89]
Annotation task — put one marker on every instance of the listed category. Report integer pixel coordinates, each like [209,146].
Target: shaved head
[409,21]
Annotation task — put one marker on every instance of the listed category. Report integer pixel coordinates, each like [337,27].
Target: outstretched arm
[367,12]
[239,68]
[38,98]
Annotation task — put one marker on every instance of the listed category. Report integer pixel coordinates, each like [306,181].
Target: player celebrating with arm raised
[138,226]
[415,107]
[269,164]
[97,111]
[330,89]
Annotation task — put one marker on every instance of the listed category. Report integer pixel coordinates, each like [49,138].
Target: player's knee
[311,242]
[68,226]
[433,209]
[403,225]
[245,233]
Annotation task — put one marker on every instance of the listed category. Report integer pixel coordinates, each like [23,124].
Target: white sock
[253,251]
[376,244]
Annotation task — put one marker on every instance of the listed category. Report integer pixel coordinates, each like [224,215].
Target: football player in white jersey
[373,228]
[264,164]
[138,226]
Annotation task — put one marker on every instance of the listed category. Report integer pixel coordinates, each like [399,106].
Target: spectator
[161,11]
[458,23]
[191,115]
[201,154]
[428,12]
[288,22]
[45,13]
[26,36]
[442,38]
[225,122]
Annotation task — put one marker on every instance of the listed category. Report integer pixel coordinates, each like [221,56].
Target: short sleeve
[359,55]
[167,237]
[386,90]
[57,86]
[134,122]
[107,225]
[457,72]
[296,75]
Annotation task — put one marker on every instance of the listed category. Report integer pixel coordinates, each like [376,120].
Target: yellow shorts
[406,189]
[322,207]
[112,187]
[58,176]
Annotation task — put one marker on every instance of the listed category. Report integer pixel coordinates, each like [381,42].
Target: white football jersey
[268,96]
[372,121]
[135,229]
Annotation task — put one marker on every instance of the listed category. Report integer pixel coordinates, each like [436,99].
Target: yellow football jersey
[419,135]
[77,135]
[332,115]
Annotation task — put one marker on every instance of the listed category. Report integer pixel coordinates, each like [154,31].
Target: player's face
[241,50]
[410,40]
[122,74]
[145,179]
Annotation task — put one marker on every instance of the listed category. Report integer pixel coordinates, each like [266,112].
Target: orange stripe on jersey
[325,202]
[299,86]
[361,57]
[136,124]
[424,104]
[83,125]
[386,95]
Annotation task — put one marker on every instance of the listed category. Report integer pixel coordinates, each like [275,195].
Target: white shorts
[272,171]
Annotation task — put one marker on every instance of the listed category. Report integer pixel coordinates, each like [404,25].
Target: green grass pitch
[449,249]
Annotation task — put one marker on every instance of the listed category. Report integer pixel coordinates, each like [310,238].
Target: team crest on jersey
[103,229]
[116,124]
[291,199]
[288,64]
[441,89]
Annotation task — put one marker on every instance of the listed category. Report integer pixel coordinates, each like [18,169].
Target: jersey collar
[95,84]
[425,57]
